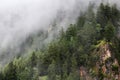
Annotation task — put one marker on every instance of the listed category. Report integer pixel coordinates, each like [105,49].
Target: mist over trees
[87,50]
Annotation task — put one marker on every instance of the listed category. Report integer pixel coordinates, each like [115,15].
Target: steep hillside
[87,50]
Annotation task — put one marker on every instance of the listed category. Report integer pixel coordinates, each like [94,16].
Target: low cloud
[21,18]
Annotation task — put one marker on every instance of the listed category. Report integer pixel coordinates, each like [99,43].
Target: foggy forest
[59,40]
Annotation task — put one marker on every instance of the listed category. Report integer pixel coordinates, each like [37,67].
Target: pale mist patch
[21,18]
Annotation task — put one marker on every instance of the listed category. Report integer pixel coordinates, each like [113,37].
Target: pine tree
[74,74]
[109,31]
[115,16]
[100,18]
[52,71]
[33,60]
[11,73]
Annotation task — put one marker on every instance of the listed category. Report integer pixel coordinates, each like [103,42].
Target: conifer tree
[109,31]
[11,73]
[52,71]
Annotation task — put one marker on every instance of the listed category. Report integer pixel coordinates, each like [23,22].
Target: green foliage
[25,74]
[52,71]
[71,32]
[73,76]
[107,13]
[11,73]
[74,47]
[109,31]
[81,21]
[33,59]
[43,78]
[108,17]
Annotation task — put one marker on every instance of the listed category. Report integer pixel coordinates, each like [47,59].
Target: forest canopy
[87,50]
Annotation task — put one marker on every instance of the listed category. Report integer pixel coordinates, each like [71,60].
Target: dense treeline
[72,51]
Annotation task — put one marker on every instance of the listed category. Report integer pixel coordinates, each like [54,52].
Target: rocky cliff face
[107,66]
